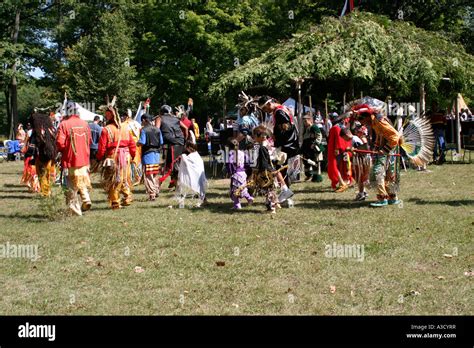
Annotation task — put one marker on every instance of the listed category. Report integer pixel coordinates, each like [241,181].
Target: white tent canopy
[83,113]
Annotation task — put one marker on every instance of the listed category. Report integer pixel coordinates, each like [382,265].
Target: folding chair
[468,146]
[453,148]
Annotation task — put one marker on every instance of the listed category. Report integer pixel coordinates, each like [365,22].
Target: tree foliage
[178,49]
[99,64]
[364,48]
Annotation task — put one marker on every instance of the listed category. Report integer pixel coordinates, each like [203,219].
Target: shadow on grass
[330,204]
[26,196]
[457,203]
[28,217]
[311,191]
[259,206]
[226,208]
[97,185]
[18,190]
[13,185]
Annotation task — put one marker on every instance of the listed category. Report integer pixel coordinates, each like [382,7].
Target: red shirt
[188,123]
[108,141]
[73,141]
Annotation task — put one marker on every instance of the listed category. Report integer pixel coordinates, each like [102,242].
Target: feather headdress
[417,139]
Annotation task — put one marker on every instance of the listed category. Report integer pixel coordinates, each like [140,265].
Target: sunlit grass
[213,260]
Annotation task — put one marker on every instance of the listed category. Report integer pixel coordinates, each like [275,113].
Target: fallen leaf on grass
[469,274]
[220,263]
[138,269]
[235,305]
[440,277]
[90,260]
[449,256]
[332,289]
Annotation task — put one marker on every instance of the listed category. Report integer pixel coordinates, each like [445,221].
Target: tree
[21,34]
[451,17]
[99,64]
[366,49]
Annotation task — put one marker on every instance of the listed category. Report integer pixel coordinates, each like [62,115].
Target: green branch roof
[361,46]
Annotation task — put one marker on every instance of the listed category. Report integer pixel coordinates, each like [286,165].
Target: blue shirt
[150,157]
[96,130]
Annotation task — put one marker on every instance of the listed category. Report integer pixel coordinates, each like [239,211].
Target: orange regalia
[416,140]
[117,149]
[136,168]
[386,167]
[73,141]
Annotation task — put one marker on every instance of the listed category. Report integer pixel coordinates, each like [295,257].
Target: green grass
[272,265]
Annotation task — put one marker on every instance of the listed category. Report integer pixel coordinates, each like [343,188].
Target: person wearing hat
[285,134]
[312,149]
[174,133]
[117,148]
[386,166]
[73,141]
[150,141]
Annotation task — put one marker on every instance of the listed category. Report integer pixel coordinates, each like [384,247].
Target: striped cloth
[151,169]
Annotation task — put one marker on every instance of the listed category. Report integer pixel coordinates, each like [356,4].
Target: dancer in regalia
[417,141]
[117,149]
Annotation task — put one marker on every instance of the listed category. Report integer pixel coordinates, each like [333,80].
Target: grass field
[211,260]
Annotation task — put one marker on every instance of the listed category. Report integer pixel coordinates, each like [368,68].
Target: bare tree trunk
[351,89]
[9,113]
[13,85]
[59,40]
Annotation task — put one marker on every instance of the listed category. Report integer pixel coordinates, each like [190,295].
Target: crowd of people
[266,154]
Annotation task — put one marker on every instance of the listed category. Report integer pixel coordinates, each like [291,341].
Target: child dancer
[263,175]
[361,160]
[238,179]
[191,175]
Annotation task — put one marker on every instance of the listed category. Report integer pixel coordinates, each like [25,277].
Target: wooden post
[299,82]
[326,120]
[13,88]
[422,107]
[344,100]
[422,100]
[451,121]
[311,107]
[458,125]
[224,106]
